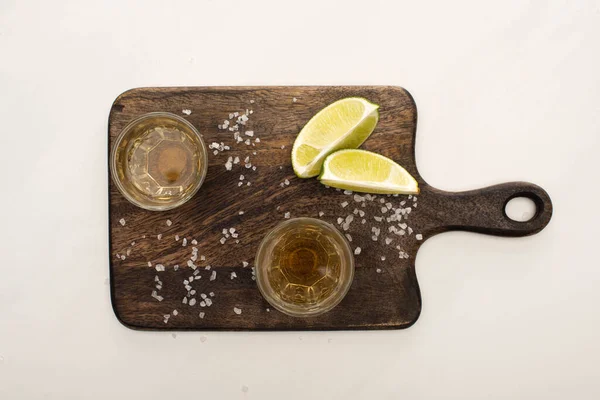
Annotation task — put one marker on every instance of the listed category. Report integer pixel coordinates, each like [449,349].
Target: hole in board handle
[521,208]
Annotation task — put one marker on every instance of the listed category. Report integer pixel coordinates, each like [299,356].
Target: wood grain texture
[384,294]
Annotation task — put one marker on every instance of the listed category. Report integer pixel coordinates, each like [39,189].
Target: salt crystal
[248,166]
[236,310]
[184,300]
[215,152]
[175,267]
[244,264]
[186,111]
[254,168]
[355,211]
[358,198]
[357,251]
[177,238]
[363,221]
[340,220]
[403,225]
[251,101]
[194,242]
[294,100]
[213,275]
[418,236]
[212,294]
[184,242]
[344,204]
[374,238]
[378,270]
[286,182]
[202,258]
[201,315]
[282,147]
[203,304]
[169,222]
[384,210]
[348,237]
[157,296]
[248,184]
[388,240]
[236,160]
[410,231]
[247,142]
[122,221]
[249,133]
[123,257]
[240,183]
[159,236]
[191,264]
[321,213]
[233,275]
[175,312]
[388,205]
[286,215]
[222,240]
[382,258]
[160,267]
[347,191]
[229,164]
[208,302]
[257,140]
[192,302]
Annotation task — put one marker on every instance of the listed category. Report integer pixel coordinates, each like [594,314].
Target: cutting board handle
[484,210]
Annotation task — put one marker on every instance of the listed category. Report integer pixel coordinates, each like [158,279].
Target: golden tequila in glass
[159,161]
[304,267]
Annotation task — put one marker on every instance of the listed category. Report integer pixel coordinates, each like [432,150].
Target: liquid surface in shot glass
[304,267]
[163,162]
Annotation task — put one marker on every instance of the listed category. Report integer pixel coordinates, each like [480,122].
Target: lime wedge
[345,124]
[364,171]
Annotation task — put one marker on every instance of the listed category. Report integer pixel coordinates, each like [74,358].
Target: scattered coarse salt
[194,242]
[321,213]
[233,275]
[236,160]
[186,111]
[257,140]
[251,101]
[191,264]
[202,258]
[357,251]
[249,133]
[202,303]
[123,257]
[242,177]
[149,264]
[175,267]
[340,220]
[159,236]
[364,221]
[378,219]
[382,200]
[286,215]
[344,204]
[122,221]
[229,164]
[388,240]
[286,182]
[201,315]
[244,264]
[169,222]
[236,310]
[222,240]
[240,184]
[184,300]
[410,230]
[175,312]
[176,238]
[213,275]
[241,213]
[294,100]
[382,258]
[248,183]
[348,237]
[384,210]
[212,294]
[159,267]
[378,270]
[374,238]
[418,236]
[254,168]
[192,302]
[282,147]
[247,142]
[184,242]
[388,205]
[166,318]
[208,302]
[347,191]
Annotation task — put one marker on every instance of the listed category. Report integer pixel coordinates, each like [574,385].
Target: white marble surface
[513,85]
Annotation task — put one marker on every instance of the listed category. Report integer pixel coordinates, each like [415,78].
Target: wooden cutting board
[385,291]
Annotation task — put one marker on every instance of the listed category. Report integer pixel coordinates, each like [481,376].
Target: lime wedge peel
[345,124]
[365,171]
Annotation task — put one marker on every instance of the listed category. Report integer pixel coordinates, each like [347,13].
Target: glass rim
[126,130]
[329,303]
